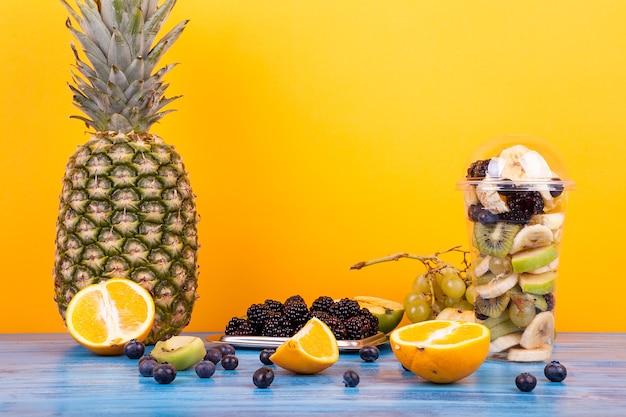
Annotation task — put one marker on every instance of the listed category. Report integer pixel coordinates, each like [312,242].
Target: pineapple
[126,207]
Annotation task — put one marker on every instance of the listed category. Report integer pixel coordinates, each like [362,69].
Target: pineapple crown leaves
[118,88]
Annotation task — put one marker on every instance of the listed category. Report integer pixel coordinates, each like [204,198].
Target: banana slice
[482,267]
[497,287]
[540,331]
[510,165]
[553,221]
[540,354]
[491,200]
[505,342]
[532,236]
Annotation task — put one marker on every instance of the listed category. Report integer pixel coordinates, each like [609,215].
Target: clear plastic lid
[521,162]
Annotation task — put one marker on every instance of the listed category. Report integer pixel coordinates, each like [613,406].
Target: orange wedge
[104,317]
[311,350]
[441,351]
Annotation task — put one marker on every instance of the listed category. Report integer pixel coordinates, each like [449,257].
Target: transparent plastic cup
[515,193]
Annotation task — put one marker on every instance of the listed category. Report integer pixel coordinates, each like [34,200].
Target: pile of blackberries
[346,319]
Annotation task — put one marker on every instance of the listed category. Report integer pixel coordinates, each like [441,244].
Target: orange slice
[441,351]
[103,317]
[311,350]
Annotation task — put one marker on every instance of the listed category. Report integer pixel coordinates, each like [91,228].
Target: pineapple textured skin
[127,210]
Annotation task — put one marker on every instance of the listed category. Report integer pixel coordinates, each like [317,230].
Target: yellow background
[321,133]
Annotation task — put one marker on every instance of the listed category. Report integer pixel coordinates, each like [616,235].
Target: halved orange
[104,317]
[441,351]
[312,349]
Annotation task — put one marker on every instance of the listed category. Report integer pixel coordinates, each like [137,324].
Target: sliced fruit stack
[516,209]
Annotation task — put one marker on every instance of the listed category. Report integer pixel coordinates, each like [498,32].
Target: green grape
[422,284]
[418,310]
[453,286]
[470,294]
[413,296]
[500,266]
[451,302]
[464,305]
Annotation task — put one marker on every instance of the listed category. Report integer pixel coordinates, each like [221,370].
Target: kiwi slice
[495,239]
[492,307]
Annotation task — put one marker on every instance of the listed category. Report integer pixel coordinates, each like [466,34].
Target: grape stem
[425,259]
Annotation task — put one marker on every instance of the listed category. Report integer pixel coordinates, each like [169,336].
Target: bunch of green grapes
[442,285]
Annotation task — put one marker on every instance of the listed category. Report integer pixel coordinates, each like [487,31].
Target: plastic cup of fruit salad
[515,194]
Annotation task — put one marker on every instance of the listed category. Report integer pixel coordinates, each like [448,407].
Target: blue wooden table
[50,375]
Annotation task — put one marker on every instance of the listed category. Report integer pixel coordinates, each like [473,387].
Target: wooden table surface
[50,375]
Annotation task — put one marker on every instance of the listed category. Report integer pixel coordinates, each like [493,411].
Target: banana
[491,199]
[509,162]
[553,221]
[539,354]
[482,266]
[535,166]
[505,342]
[532,236]
[497,287]
[540,331]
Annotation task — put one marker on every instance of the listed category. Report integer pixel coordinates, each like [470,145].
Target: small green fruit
[532,259]
[182,352]
[389,312]
[540,284]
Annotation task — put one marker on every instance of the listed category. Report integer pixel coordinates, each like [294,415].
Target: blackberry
[274,305]
[294,299]
[478,169]
[296,312]
[323,303]
[356,328]
[277,326]
[257,314]
[322,315]
[372,320]
[337,326]
[522,206]
[239,327]
[345,308]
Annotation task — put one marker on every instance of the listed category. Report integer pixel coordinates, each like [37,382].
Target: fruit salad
[515,206]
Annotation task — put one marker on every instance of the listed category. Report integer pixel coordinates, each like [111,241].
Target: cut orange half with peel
[311,350]
[104,317]
[441,351]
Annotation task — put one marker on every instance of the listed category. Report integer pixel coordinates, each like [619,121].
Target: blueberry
[146,366]
[264,356]
[205,369]
[226,349]
[164,373]
[214,355]
[487,217]
[369,353]
[134,349]
[263,377]
[526,382]
[230,362]
[555,371]
[351,378]
[145,357]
